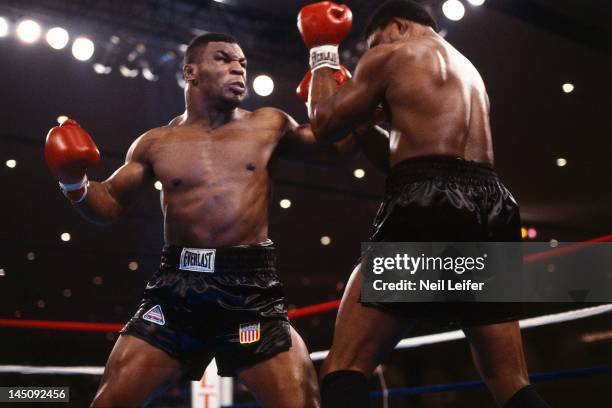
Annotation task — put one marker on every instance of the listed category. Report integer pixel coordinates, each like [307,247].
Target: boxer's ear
[189,73]
[400,24]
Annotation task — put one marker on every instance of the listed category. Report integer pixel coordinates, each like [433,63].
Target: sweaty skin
[213,161]
[436,104]
[433,97]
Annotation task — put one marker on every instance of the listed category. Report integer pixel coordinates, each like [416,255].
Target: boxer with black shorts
[216,293]
[441,186]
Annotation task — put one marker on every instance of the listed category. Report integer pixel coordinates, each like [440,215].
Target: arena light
[325,240]
[532,233]
[57,38]
[158,185]
[41,304]
[133,266]
[127,72]
[568,88]
[4,27]
[2,272]
[359,173]
[67,293]
[65,237]
[263,85]
[11,163]
[30,256]
[453,10]
[285,203]
[476,2]
[61,119]
[28,31]
[561,162]
[83,48]
[108,55]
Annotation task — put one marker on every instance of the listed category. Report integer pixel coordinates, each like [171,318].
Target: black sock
[345,389]
[526,397]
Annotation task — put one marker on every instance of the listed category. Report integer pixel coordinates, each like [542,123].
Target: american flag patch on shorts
[249,333]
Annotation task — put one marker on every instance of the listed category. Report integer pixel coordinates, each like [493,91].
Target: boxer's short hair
[200,42]
[407,9]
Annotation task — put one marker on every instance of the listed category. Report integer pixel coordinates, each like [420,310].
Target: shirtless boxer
[216,293]
[441,186]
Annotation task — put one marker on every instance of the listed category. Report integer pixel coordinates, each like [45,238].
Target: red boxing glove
[69,151]
[323,26]
[342,75]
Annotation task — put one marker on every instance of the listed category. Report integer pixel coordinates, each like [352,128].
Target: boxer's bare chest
[192,156]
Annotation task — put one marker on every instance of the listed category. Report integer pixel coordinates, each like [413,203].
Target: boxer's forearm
[322,90]
[99,206]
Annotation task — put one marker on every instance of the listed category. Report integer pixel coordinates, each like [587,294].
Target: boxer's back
[438,102]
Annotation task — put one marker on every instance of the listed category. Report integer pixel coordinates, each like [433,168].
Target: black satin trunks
[447,199]
[236,314]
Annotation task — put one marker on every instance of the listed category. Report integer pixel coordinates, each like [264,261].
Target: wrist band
[68,188]
[324,56]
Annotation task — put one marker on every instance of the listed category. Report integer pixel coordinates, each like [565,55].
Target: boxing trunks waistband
[243,259]
[442,168]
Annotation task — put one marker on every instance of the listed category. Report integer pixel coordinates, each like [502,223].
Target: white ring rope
[411,342]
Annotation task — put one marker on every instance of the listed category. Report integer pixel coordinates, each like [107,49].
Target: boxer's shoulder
[273,118]
[142,145]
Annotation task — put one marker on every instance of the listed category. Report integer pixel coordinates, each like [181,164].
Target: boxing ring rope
[412,342]
[314,309]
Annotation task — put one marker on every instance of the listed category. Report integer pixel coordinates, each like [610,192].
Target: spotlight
[83,48]
[28,31]
[57,38]
[561,162]
[65,237]
[2,272]
[107,57]
[4,27]
[453,10]
[568,88]
[133,266]
[102,69]
[263,85]
[285,203]
[158,185]
[359,173]
[61,119]
[129,69]
[127,72]
[30,256]
[476,2]
[11,163]
[325,240]
[151,72]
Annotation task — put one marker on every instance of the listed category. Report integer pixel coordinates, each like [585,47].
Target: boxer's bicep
[354,103]
[130,180]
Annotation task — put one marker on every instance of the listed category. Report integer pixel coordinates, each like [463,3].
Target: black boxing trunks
[447,199]
[226,303]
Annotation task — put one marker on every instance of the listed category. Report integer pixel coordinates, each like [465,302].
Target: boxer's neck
[208,113]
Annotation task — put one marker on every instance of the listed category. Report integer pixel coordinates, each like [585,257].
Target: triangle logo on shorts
[155,315]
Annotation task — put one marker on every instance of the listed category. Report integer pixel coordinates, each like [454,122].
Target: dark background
[524,49]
